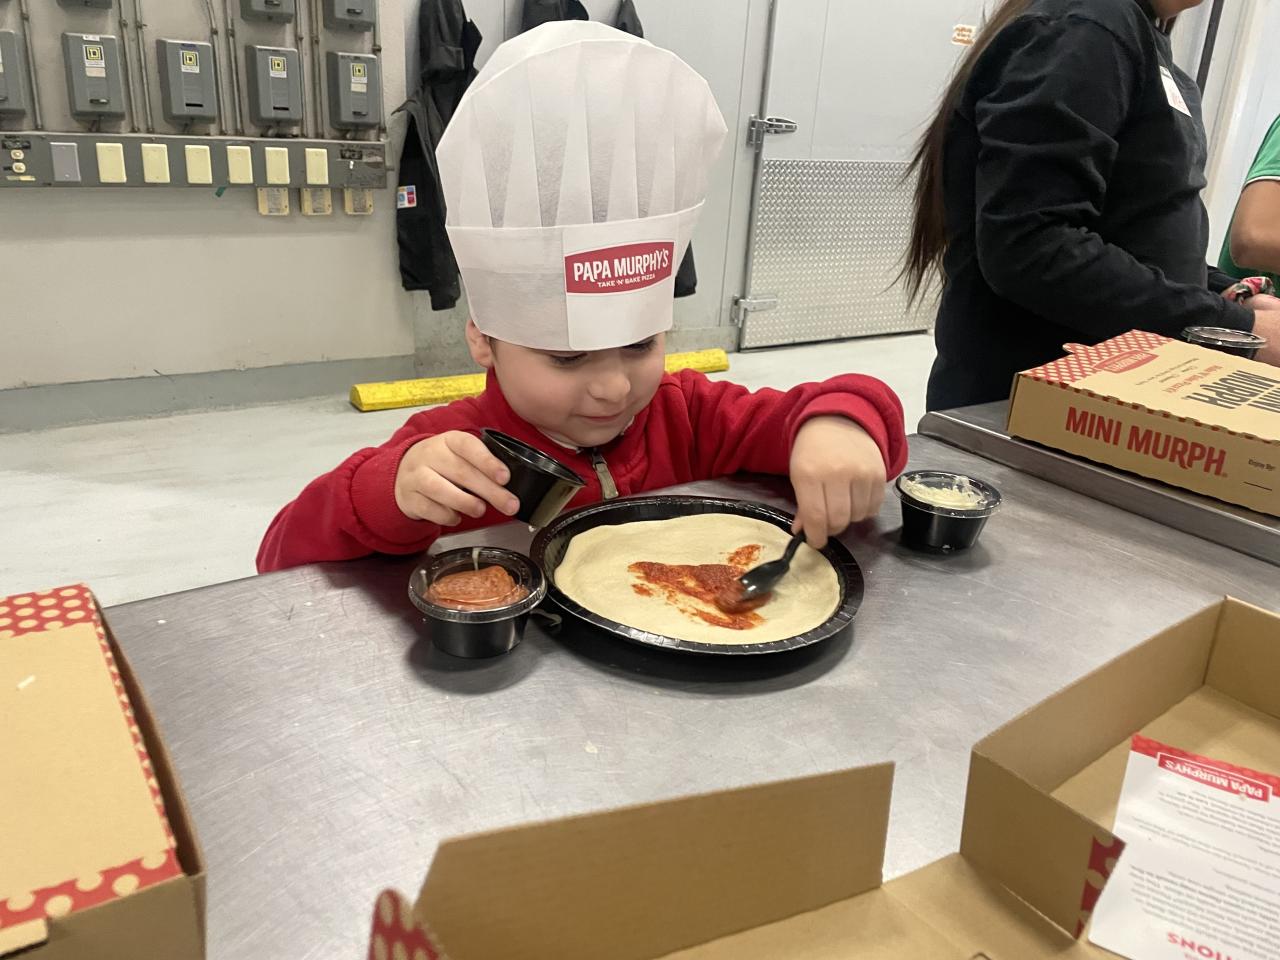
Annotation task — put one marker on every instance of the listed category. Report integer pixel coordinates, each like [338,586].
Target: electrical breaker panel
[13,79]
[350,14]
[277,11]
[355,90]
[97,4]
[94,85]
[188,82]
[275,85]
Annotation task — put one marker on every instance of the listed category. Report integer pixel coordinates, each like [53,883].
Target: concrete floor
[145,507]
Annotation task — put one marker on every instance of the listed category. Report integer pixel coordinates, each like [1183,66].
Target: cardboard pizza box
[1172,411]
[794,868]
[98,857]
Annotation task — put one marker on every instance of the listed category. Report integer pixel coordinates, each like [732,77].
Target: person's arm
[355,509]
[738,431]
[838,441]
[1219,280]
[1047,132]
[1255,231]
[346,513]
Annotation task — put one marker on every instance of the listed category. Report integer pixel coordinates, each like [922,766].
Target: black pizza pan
[553,540]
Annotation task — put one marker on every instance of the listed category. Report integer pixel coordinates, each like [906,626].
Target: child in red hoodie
[570,294]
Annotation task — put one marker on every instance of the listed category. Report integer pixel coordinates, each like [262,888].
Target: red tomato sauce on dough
[680,583]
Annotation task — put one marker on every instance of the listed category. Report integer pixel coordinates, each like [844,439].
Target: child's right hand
[451,474]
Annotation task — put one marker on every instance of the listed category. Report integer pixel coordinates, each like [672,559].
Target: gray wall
[101,284]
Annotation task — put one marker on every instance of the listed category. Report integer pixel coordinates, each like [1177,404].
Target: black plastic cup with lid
[543,486]
[477,633]
[1238,343]
[934,519]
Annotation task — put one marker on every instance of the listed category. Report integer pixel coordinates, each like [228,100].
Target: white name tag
[1173,93]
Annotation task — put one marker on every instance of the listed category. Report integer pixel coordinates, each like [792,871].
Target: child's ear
[479,345]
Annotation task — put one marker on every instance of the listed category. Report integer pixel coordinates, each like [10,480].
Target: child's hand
[451,474]
[838,475]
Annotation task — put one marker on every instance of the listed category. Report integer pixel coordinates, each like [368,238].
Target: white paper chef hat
[574,171]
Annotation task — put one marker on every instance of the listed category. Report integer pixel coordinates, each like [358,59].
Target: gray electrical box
[275,84]
[277,11]
[355,90]
[350,14]
[188,82]
[13,76]
[94,85]
[97,4]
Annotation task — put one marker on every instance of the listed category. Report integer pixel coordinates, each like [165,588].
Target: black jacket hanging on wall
[447,45]
[538,12]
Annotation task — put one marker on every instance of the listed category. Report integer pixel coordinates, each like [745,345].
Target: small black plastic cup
[476,633]
[937,528]
[542,485]
[1238,343]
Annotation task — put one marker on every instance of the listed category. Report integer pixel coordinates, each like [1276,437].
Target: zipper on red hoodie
[608,489]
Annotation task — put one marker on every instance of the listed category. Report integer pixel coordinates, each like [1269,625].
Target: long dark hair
[929,227]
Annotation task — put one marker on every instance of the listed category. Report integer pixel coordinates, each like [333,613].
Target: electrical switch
[276,11]
[358,202]
[199,163]
[66,162]
[350,14]
[239,165]
[277,160]
[13,83]
[188,82]
[355,90]
[155,163]
[94,85]
[316,201]
[317,166]
[111,163]
[275,85]
[273,201]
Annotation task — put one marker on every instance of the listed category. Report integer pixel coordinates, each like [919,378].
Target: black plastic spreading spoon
[753,587]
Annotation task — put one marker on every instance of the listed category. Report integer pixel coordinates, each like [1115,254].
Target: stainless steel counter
[325,750]
[981,430]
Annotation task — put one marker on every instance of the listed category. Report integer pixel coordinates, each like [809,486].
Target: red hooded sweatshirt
[693,429]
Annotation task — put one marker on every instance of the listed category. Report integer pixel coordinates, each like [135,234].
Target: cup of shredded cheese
[944,511]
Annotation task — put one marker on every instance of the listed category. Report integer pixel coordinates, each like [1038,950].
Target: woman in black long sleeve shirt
[1060,194]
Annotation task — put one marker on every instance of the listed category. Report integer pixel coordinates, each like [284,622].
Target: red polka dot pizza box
[97,855]
[793,868]
[1176,412]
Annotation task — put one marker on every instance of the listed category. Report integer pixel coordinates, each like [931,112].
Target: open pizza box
[98,857]
[794,868]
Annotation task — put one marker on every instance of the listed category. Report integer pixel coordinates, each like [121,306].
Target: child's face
[584,399]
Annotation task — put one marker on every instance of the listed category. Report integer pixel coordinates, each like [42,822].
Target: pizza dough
[598,571]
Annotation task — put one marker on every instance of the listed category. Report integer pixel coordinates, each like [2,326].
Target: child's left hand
[838,475]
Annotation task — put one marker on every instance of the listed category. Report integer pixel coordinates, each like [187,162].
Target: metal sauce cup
[930,526]
[1238,343]
[542,485]
[476,633]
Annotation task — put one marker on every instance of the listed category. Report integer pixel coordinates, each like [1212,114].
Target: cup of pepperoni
[476,601]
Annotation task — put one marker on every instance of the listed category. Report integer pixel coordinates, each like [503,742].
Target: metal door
[851,84]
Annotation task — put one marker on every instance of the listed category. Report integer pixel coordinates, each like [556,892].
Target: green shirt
[1266,166]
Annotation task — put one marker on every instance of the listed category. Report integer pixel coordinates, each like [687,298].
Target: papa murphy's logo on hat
[620,269]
